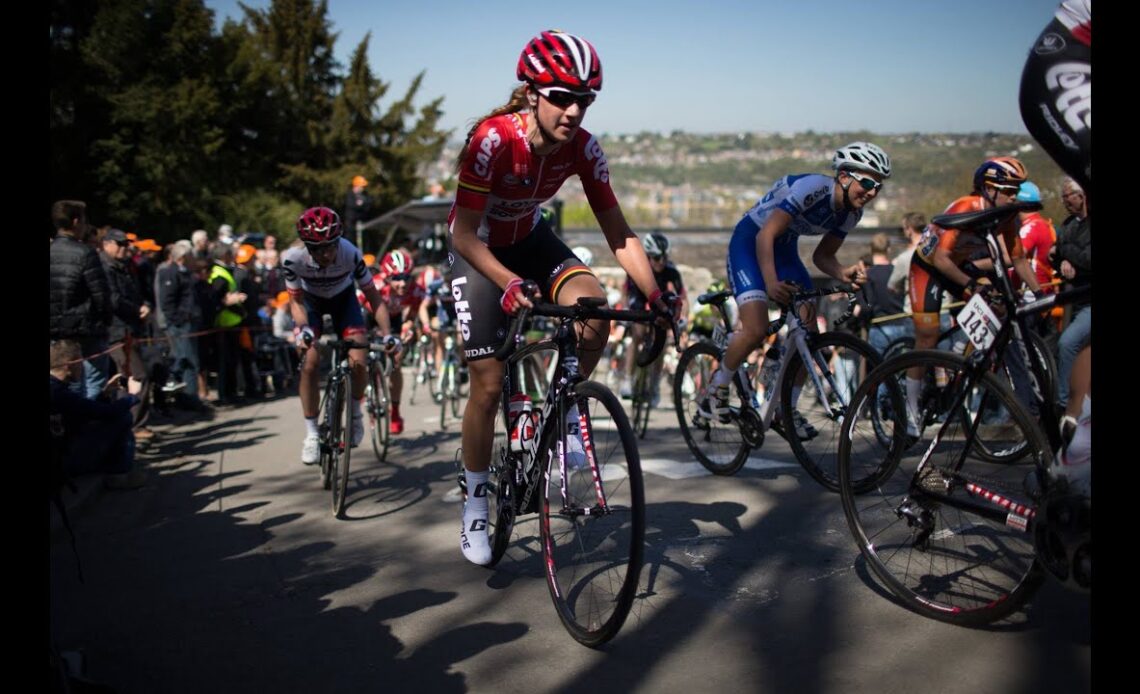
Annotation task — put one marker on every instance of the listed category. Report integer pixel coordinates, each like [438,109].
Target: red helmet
[397,262]
[430,274]
[318,226]
[555,59]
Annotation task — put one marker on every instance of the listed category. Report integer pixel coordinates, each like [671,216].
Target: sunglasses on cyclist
[319,247]
[563,98]
[1007,190]
[402,277]
[657,257]
[867,184]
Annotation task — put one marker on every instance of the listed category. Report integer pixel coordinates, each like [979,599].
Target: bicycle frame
[566,375]
[978,362]
[797,337]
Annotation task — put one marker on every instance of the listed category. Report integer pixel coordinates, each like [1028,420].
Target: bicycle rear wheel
[446,386]
[641,401]
[841,361]
[718,445]
[951,538]
[593,519]
[379,412]
[342,445]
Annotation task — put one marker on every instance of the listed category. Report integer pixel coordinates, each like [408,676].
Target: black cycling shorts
[541,257]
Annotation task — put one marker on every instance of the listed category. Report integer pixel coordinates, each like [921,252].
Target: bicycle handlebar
[587,308]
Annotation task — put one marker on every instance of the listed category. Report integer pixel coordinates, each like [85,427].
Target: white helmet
[583,254]
[655,244]
[862,156]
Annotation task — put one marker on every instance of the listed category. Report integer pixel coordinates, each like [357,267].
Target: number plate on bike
[979,322]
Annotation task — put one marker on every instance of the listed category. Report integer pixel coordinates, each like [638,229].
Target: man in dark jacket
[128,311]
[90,435]
[79,299]
[1072,256]
[174,288]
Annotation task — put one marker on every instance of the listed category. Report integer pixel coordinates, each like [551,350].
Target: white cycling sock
[473,539]
[357,413]
[311,428]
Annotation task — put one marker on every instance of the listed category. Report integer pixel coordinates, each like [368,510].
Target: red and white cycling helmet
[318,226]
[557,59]
[427,276]
[397,262]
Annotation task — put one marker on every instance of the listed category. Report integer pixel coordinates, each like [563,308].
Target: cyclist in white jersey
[319,278]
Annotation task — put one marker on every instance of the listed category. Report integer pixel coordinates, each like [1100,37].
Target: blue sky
[887,66]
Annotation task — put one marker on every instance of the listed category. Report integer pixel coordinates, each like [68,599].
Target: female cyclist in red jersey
[516,158]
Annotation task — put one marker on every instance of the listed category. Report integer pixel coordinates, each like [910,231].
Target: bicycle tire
[446,391]
[342,446]
[825,414]
[593,537]
[640,398]
[718,446]
[457,394]
[1017,450]
[943,553]
[379,409]
[501,510]
[328,402]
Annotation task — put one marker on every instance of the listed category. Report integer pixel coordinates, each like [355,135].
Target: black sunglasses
[402,277]
[563,99]
[657,257]
[868,184]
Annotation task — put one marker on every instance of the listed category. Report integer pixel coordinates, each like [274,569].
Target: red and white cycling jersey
[396,303]
[1037,237]
[503,179]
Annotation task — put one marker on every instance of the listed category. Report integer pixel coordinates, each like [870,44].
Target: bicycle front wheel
[717,444]
[593,518]
[342,445]
[949,534]
[327,418]
[839,363]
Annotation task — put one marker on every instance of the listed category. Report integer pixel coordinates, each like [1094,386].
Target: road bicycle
[829,365]
[954,533]
[452,385]
[591,505]
[335,421]
[378,399]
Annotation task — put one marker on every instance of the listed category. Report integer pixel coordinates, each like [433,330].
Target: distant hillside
[686,180]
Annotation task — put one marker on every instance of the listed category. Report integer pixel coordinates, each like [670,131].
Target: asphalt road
[228,573]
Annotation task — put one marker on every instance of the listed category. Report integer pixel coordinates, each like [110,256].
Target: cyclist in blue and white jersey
[763,255]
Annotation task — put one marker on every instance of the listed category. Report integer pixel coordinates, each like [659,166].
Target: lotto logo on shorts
[462,306]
